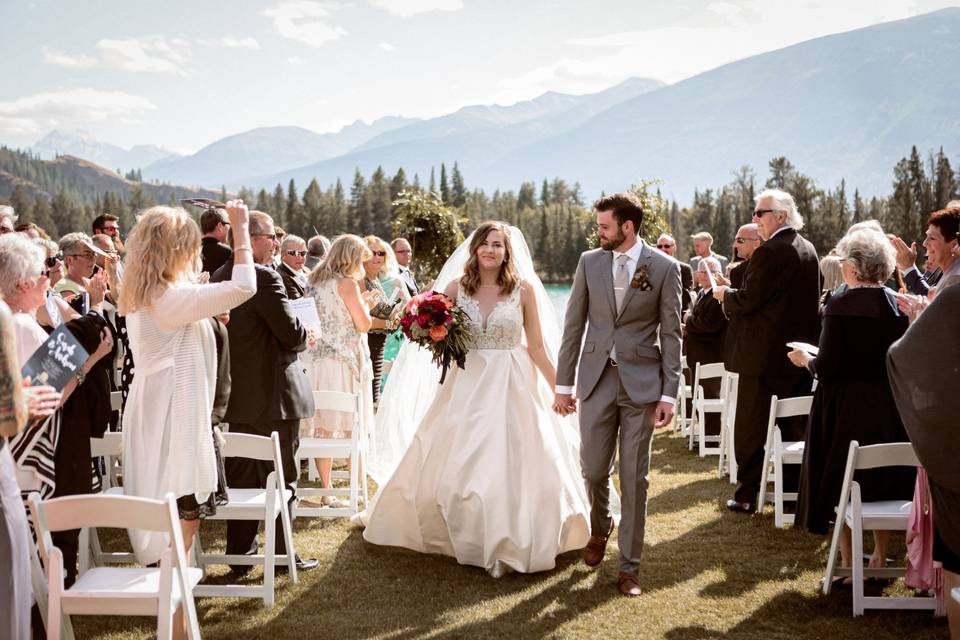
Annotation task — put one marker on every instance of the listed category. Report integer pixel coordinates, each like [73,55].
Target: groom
[627,297]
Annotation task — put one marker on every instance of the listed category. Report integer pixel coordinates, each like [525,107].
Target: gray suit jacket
[646,331]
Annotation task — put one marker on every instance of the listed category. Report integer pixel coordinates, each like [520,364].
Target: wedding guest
[214,250]
[746,241]
[269,388]
[293,255]
[340,361]
[109,225]
[16,406]
[381,268]
[79,255]
[778,303]
[704,331]
[668,245]
[32,231]
[922,366]
[55,461]
[54,261]
[853,400]
[404,254]
[317,248]
[168,444]
[941,239]
[280,233]
[703,248]
[8,219]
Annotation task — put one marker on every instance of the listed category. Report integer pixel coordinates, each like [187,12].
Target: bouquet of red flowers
[434,322]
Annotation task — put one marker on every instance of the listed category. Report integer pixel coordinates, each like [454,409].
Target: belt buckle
[612,362]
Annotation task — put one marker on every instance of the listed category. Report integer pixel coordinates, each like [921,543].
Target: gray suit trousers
[607,411]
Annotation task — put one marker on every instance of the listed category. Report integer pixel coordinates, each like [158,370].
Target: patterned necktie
[621,279]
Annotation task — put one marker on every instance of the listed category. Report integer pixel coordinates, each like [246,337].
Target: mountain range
[845,106]
[81,144]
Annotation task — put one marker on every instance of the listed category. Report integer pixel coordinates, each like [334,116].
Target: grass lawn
[706,573]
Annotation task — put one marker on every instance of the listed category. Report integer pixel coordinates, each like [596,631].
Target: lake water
[558,296]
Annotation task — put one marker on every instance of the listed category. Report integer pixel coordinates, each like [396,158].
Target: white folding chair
[353,449]
[777,453]
[860,516]
[703,405]
[253,504]
[110,447]
[684,393]
[728,457]
[125,591]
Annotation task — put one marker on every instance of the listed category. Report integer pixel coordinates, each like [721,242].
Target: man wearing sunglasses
[668,245]
[214,251]
[778,303]
[747,240]
[293,255]
[109,225]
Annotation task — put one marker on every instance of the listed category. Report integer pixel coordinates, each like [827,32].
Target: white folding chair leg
[287,524]
[765,472]
[269,548]
[54,608]
[856,556]
[165,608]
[777,480]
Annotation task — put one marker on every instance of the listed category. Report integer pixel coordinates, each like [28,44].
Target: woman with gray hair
[853,400]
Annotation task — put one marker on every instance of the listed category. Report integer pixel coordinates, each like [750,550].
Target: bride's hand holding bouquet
[433,321]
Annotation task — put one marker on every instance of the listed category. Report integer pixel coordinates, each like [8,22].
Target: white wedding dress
[491,475]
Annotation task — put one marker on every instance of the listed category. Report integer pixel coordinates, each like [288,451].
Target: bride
[491,475]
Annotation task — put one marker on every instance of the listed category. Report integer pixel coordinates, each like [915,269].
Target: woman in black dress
[853,400]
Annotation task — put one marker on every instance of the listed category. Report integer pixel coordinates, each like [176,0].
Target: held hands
[42,400]
[799,358]
[664,413]
[564,404]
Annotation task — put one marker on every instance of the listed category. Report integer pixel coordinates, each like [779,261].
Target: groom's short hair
[624,206]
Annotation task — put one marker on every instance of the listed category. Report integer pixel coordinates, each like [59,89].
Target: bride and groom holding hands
[503,467]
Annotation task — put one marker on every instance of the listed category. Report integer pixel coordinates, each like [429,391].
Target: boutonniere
[641,279]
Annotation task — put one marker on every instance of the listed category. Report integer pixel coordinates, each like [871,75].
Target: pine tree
[278,205]
[313,210]
[433,181]
[526,199]
[263,201]
[544,193]
[293,213]
[444,186]
[359,209]
[338,209]
[458,191]
[380,203]
[398,184]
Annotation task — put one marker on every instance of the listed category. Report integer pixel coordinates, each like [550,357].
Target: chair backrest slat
[246,445]
[789,407]
[891,454]
[100,510]
[711,370]
[335,401]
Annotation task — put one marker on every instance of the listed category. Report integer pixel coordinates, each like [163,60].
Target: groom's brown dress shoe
[628,584]
[593,552]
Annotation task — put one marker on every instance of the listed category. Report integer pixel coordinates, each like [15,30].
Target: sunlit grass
[706,573]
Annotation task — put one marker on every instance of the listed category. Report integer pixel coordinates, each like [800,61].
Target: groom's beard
[614,242]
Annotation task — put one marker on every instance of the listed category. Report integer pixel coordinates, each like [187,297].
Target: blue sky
[183,73]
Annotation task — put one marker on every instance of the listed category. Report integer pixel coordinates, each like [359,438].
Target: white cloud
[386,46]
[296,60]
[407,8]
[232,42]
[151,54]
[305,21]
[63,59]
[72,107]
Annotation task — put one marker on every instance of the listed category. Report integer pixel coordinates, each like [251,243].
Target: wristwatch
[81,376]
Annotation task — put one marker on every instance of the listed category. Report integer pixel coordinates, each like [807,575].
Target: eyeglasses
[398,251]
[52,261]
[664,246]
[294,252]
[745,240]
[109,230]
[379,254]
[759,213]
[86,256]
[264,235]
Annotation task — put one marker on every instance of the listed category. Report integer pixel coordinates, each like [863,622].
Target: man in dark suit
[270,390]
[668,245]
[293,255]
[778,303]
[213,252]
[404,253]
[704,329]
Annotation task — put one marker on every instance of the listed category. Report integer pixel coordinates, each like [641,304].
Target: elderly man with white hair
[778,303]
[293,255]
[668,245]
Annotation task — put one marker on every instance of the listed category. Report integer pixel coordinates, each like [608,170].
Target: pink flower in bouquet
[438,333]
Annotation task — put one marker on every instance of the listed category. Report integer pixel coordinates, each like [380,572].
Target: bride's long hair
[508,278]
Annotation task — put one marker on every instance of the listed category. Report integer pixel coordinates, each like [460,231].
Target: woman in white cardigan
[168,442]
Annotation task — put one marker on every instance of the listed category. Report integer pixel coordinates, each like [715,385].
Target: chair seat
[114,491]
[793,452]
[125,582]
[883,514]
[247,504]
[711,404]
[324,448]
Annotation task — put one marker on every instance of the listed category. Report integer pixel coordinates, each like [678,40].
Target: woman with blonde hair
[381,275]
[340,361]
[168,443]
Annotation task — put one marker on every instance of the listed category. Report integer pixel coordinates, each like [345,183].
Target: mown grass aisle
[706,573]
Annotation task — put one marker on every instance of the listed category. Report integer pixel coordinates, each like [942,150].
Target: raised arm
[350,293]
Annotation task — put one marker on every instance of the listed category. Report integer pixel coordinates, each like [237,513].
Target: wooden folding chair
[125,591]
[860,516]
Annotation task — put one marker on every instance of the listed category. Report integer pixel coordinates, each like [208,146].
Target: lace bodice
[339,338]
[504,324]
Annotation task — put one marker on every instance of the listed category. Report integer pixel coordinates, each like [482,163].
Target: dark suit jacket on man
[268,382]
[705,329]
[686,284]
[778,303]
[213,254]
[920,284]
[293,282]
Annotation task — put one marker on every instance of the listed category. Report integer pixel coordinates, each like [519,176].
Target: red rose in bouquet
[434,322]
